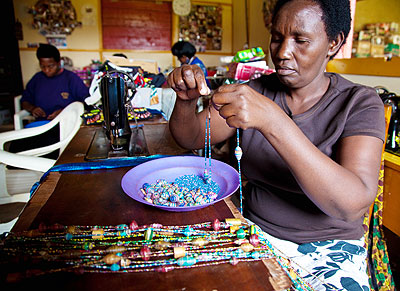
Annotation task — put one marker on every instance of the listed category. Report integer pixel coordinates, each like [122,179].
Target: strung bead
[148,234]
[133,225]
[252,229]
[88,246]
[186,261]
[162,245]
[179,252]
[111,259]
[188,231]
[72,229]
[162,269]
[238,153]
[125,262]
[254,240]
[240,233]
[233,228]
[246,247]
[199,241]
[122,226]
[115,267]
[241,241]
[116,249]
[234,261]
[233,221]
[145,253]
[216,225]
[97,233]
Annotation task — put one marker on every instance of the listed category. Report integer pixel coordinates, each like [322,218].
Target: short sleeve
[367,115]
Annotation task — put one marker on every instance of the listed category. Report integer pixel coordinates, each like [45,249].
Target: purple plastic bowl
[170,168]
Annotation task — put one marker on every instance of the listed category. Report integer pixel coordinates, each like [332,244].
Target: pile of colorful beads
[186,190]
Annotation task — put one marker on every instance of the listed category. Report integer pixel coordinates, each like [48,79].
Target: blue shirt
[56,92]
[197,61]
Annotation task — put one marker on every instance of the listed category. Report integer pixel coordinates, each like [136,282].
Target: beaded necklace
[207,155]
[207,148]
[238,155]
[133,248]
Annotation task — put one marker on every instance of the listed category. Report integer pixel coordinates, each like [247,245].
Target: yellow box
[362,48]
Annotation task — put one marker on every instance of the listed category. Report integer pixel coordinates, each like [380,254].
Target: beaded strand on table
[133,248]
[238,155]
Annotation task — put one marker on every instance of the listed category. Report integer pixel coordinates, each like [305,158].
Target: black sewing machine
[117,138]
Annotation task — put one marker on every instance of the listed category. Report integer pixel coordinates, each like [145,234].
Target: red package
[245,72]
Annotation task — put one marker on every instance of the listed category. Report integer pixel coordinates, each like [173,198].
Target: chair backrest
[17,103]
[69,121]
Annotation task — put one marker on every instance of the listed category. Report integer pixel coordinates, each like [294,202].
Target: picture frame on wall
[202,27]
[58,40]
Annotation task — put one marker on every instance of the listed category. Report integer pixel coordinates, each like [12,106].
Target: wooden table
[95,197]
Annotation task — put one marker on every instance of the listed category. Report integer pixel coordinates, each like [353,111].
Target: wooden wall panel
[136,25]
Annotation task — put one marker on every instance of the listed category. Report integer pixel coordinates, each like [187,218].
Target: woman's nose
[284,50]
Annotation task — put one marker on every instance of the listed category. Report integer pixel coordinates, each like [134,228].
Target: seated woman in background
[53,88]
[311,141]
[185,52]
[46,95]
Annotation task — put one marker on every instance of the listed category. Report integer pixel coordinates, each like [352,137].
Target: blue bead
[68,236]
[255,255]
[187,231]
[114,267]
[186,261]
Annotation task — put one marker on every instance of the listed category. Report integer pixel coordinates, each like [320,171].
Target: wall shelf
[366,66]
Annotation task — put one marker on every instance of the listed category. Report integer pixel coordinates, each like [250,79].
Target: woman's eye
[301,40]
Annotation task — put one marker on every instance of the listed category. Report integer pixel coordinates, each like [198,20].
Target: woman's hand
[188,82]
[38,112]
[241,106]
[54,114]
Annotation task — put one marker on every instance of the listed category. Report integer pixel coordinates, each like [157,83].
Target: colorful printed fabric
[379,271]
[327,265]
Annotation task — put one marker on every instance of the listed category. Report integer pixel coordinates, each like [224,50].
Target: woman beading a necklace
[311,141]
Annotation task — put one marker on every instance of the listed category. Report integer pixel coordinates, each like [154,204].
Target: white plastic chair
[15,184]
[20,114]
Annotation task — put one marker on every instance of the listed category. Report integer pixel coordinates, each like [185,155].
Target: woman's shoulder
[266,82]
[342,84]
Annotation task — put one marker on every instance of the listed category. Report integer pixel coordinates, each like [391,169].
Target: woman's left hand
[241,106]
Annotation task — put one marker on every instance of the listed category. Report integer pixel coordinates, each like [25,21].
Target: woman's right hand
[188,82]
[38,112]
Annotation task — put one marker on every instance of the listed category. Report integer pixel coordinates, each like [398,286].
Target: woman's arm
[186,125]
[344,188]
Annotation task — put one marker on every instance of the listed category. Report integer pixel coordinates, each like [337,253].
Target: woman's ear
[335,44]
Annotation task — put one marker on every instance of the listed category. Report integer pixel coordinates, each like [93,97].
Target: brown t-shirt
[273,199]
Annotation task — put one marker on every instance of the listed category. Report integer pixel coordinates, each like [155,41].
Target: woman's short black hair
[183,48]
[336,16]
[48,51]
